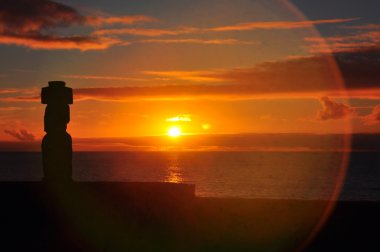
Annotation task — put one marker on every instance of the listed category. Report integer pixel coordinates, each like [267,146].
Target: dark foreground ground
[38,216]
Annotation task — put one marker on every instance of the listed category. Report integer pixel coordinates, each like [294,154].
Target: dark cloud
[316,75]
[357,54]
[348,43]
[31,23]
[162,92]
[21,135]
[360,69]
[332,110]
[303,74]
[21,17]
[34,24]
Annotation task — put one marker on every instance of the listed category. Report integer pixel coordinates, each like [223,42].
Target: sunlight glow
[174,132]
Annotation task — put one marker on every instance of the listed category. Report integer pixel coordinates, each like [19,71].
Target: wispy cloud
[202,91]
[97,77]
[363,27]
[8,91]
[279,25]
[126,20]
[145,32]
[200,41]
[10,108]
[21,135]
[42,42]
[196,76]
[19,95]
[270,25]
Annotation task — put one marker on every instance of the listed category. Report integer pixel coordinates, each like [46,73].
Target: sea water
[283,175]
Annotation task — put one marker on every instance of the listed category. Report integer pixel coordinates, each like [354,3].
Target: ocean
[272,175]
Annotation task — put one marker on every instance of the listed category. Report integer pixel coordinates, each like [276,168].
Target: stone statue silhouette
[57,143]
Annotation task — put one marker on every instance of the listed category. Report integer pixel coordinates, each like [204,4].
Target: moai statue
[57,143]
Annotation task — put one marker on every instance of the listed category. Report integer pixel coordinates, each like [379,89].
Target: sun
[174,132]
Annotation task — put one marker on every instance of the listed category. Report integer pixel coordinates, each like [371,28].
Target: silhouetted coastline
[105,216]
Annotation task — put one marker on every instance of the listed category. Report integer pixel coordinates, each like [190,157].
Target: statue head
[57,94]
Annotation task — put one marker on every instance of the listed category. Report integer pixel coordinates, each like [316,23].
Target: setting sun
[174,131]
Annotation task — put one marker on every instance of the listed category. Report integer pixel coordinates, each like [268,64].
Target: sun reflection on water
[174,174]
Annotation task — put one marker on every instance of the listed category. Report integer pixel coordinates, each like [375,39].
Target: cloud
[31,16]
[144,32]
[188,91]
[21,135]
[180,118]
[126,20]
[360,69]
[311,76]
[374,117]
[27,22]
[10,108]
[22,98]
[59,43]
[279,25]
[200,41]
[195,76]
[19,94]
[297,75]
[362,37]
[7,91]
[364,27]
[152,92]
[97,77]
[332,110]
[34,23]
[351,43]
[275,25]
[292,75]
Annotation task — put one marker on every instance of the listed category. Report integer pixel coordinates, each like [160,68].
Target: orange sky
[266,70]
